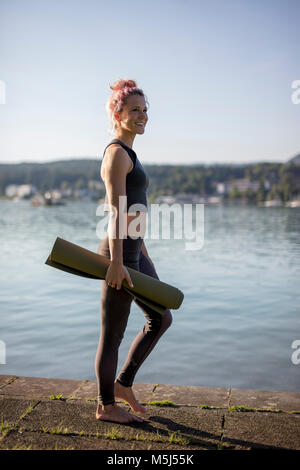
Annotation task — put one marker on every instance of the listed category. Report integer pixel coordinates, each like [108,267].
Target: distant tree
[261,193]
[163,179]
[64,185]
[234,193]
[275,192]
[80,184]
[250,195]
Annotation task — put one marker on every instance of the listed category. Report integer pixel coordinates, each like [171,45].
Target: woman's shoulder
[116,156]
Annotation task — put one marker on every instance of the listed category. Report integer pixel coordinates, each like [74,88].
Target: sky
[217,74]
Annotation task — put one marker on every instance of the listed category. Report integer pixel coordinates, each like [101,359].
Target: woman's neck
[126,139]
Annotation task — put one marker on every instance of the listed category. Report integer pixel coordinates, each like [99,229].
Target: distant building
[66,192]
[95,185]
[21,191]
[11,190]
[189,198]
[214,200]
[165,199]
[56,193]
[242,185]
[222,188]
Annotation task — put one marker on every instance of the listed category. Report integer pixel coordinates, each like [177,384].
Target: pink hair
[122,89]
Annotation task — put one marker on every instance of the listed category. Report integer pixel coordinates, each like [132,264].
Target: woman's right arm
[117,165]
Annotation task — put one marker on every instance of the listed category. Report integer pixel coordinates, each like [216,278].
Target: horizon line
[68,159]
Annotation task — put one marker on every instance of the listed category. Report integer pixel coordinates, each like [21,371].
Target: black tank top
[137,180]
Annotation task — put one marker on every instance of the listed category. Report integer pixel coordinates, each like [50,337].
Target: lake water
[235,327]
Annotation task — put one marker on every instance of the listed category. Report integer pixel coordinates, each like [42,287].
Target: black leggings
[115,309]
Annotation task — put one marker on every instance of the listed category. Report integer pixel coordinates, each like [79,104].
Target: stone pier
[44,413]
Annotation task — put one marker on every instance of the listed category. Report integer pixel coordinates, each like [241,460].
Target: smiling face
[133,117]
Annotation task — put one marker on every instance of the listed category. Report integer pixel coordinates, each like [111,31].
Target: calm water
[239,317]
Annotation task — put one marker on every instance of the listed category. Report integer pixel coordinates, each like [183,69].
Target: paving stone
[192,395]
[4,379]
[285,401]
[262,430]
[39,387]
[143,392]
[43,441]
[88,389]
[12,408]
[202,426]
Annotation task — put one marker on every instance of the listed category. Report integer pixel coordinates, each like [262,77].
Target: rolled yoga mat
[74,259]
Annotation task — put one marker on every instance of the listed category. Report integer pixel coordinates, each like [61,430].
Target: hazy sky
[217,74]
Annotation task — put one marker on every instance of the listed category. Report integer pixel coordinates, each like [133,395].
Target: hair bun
[120,84]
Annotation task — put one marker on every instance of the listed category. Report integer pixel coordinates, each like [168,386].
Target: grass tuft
[207,407]
[55,430]
[113,434]
[162,403]
[27,411]
[58,397]
[178,439]
[5,428]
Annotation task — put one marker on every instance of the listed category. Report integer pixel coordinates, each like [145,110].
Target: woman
[123,175]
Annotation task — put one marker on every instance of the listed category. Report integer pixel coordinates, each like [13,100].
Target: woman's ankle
[123,385]
[107,407]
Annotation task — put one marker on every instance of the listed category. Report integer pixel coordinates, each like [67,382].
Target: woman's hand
[115,274]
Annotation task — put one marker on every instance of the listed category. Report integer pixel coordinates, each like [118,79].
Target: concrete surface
[202,418]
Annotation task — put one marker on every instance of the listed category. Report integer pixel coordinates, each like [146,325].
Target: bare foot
[116,414]
[127,394]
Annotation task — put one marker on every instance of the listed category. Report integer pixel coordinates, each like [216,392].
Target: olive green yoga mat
[74,259]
